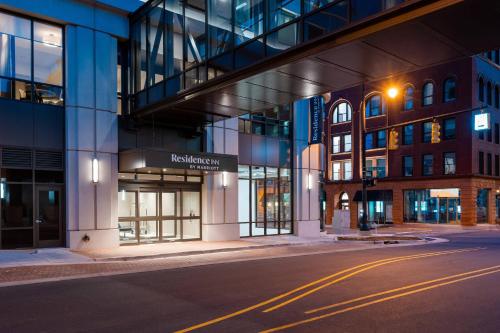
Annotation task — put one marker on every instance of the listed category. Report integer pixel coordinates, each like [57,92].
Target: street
[446,287]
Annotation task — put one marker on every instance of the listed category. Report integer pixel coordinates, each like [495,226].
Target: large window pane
[282,11]
[285,195]
[148,203]
[5,88]
[249,19]
[126,204]
[23,59]
[190,203]
[174,46]
[219,25]
[47,34]
[282,39]
[168,204]
[156,30]
[272,194]
[48,63]
[258,194]
[15,26]
[47,94]
[195,31]
[17,205]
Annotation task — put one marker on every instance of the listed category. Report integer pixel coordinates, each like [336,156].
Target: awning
[156,160]
[374,195]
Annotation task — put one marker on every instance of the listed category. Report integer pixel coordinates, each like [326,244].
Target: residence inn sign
[153,158]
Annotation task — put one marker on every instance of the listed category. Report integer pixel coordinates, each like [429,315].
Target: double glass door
[152,215]
[449,210]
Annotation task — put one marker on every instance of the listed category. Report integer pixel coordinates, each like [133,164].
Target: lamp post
[392,93]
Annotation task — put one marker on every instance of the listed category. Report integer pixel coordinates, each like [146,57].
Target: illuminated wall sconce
[2,188]
[225,179]
[95,170]
[309,181]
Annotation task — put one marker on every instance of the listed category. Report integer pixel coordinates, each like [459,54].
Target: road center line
[313,283]
[399,289]
[306,321]
[312,291]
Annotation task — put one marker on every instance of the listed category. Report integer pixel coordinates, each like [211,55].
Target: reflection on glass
[155,38]
[5,88]
[249,19]
[271,195]
[126,203]
[147,203]
[174,48]
[16,205]
[148,231]
[48,63]
[282,11]
[190,203]
[168,204]
[127,232]
[15,26]
[219,25]
[47,94]
[195,31]
[258,198]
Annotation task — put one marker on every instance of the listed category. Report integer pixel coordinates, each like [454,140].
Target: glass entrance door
[449,211]
[48,218]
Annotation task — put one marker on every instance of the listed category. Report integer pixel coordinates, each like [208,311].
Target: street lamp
[392,93]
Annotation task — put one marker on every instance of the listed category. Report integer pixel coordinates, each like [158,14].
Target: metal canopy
[421,34]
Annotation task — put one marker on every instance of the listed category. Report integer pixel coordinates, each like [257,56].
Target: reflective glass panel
[126,203]
[195,31]
[17,205]
[173,38]
[249,19]
[48,63]
[168,204]
[282,11]
[190,203]
[148,203]
[15,26]
[219,25]
[155,39]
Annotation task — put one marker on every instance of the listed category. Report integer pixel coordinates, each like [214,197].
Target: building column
[492,212]
[307,169]
[468,204]
[219,203]
[91,132]
[397,206]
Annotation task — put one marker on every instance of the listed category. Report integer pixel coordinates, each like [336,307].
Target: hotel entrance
[159,212]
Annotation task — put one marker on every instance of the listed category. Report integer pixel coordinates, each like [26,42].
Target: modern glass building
[132,122]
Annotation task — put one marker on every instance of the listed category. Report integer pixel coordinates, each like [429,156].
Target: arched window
[449,89]
[489,90]
[497,97]
[408,98]
[342,113]
[481,90]
[428,94]
[344,201]
[375,106]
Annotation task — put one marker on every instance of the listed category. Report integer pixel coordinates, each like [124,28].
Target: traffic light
[436,132]
[393,139]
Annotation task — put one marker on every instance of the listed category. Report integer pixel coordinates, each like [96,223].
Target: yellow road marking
[312,291]
[397,289]
[288,293]
[302,322]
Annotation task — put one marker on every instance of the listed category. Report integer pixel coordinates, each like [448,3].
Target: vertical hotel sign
[315,120]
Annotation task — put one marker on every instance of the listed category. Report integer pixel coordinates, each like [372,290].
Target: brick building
[454,181]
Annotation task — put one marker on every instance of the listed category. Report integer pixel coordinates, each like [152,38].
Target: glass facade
[275,122]
[264,201]
[177,45]
[432,205]
[31,60]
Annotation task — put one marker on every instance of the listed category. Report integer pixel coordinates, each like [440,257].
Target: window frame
[336,114]
[431,96]
[424,173]
[454,163]
[405,166]
[409,98]
[454,134]
[445,95]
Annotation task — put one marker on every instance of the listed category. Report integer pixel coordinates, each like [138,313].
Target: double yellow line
[348,273]
[453,279]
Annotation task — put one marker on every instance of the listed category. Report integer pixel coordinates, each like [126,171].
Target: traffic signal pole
[364,223]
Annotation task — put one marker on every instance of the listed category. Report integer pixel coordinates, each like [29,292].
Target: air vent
[16,158]
[49,160]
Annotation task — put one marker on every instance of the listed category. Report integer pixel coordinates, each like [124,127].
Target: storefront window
[432,205]
[264,201]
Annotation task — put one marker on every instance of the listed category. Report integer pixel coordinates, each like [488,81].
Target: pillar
[91,132]
[219,203]
[468,203]
[307,170]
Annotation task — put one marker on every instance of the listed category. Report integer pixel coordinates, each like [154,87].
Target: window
[342,113]
[497,97]
[489,90]
[497,133]
[449,160]
[488,164]
[481,163]
[427,165]
[481,90]
[497,166]
[381,139]
[344,201]
[381,168]
[31,64]
[336,144]
[428,94]
[408,135]
[427,132]
[336,170]
[407,166]
[347,170]
[369,144]
[490,135]
[376,140]
[449,89]
[374,106]
[282,11]
[408,98]
[449,128]
[347,143]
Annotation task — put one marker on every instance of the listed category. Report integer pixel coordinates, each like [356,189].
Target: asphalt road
[447,287]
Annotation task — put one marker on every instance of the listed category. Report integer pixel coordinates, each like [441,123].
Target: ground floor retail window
[432,206]
[149,213]
[482,205]
[264,201]
[378,212]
